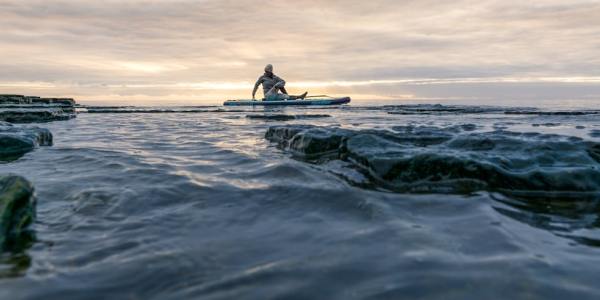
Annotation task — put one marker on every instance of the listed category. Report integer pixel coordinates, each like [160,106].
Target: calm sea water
[201,205]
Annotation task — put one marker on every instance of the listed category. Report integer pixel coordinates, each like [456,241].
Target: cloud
[83,47]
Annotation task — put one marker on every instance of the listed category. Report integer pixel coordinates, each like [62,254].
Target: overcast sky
[206,50]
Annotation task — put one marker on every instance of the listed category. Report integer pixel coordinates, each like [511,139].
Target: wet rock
[22,99]
[17,212]
[437,109]
[595,133]
[31,109]
[594,152]
[16,140]
[34,115]
[272,117]
[63,101]
[318,142]
[431,159]
[468,127]
[423,135]
[14,99]
[282,117]
[283,134]
[546,125]
[552,113]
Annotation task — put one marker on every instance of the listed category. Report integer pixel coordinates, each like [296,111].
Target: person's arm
[256,85]
[279,82]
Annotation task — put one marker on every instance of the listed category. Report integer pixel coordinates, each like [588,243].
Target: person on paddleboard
[273,87]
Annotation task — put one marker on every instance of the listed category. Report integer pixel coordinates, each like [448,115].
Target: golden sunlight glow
[243,85]
[146,67]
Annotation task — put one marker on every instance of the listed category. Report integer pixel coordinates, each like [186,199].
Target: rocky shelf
[21,99]
[17,202]
[283,117]
[33,109]
[457,159]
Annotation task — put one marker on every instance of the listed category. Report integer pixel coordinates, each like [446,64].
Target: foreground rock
[17,140]
[454,159]
[17,212]
[30,109]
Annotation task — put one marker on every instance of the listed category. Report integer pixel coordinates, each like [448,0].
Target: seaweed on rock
[17,212]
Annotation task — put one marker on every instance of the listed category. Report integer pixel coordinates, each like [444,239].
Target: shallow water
[201,205]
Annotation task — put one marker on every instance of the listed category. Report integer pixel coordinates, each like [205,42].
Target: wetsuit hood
[269,68]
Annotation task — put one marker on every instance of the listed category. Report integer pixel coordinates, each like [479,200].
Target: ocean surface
[194,203]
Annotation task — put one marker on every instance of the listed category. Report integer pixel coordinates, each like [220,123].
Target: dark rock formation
[14,99]
[424,109]
[17,212]
[438,109]
[29,109]
[34,115]
[309,141]
[553,113]
[16,141]
[21,99]
[282,117]
[454,159]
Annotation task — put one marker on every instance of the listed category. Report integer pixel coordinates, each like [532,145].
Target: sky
[205,51]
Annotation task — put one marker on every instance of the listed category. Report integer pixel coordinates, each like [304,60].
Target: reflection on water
[14,264]
[576,218]
[201,205]
[9,158]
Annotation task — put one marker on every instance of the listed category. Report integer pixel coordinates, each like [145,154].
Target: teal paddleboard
[308,101]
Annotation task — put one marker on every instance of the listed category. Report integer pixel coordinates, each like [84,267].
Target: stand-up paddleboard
[307,101]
